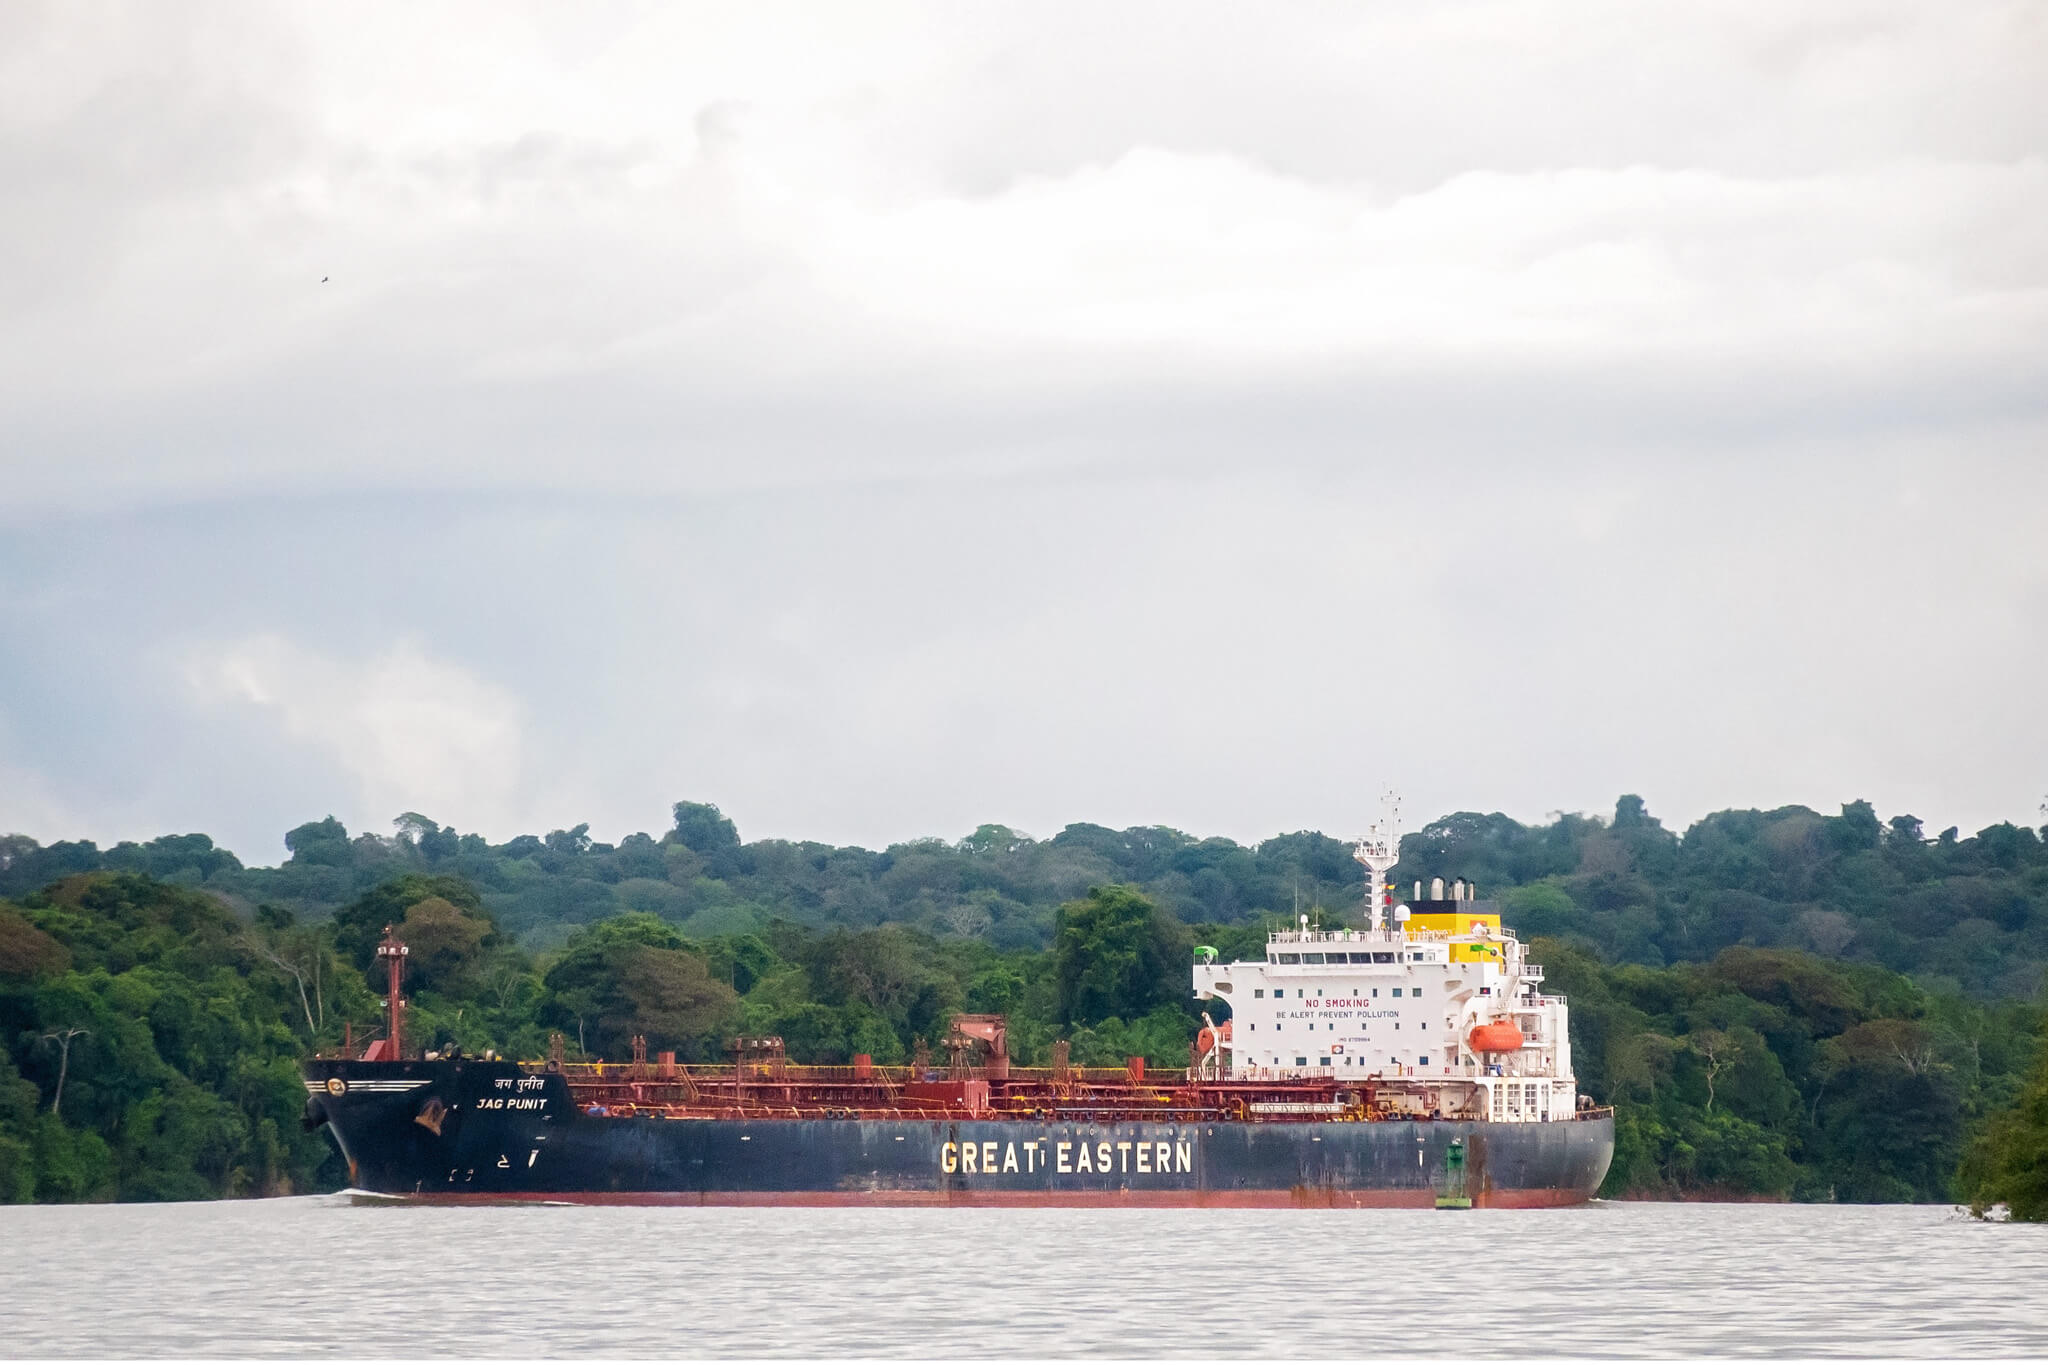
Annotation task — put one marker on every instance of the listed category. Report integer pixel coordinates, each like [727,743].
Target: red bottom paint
[1005,1199]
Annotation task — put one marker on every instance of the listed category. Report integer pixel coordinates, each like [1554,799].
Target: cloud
[679,252]
[884,419]
[27,802]
[412,731]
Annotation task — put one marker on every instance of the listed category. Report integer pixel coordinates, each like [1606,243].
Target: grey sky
[884,419]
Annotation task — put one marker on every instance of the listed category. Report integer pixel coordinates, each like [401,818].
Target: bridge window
[1361,957]
[1383,957]
[1313,959]
[1289,959]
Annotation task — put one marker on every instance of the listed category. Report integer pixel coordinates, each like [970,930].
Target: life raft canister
[1496,1038]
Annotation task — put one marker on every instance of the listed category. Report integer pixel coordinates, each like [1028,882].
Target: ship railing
[1282,939]
[654,1071]
[1388,935]
[1393,934]
[793,1073]
[1392,937]
[350,1051]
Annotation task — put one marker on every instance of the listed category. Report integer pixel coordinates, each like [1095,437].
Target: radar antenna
[1379,850]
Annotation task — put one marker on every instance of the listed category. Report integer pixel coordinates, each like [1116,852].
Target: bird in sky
[323,279]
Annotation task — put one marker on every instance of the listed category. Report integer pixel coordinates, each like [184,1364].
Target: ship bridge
[1437,1005]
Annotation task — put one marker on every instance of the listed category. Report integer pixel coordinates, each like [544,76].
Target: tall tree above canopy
[432,842]
[988,839]
[1631,813]
[704,828]
[322,843]
[1856,828]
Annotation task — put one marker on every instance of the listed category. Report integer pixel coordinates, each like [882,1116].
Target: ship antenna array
[1379,850]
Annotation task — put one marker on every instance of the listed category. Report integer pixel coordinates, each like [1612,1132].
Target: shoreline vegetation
[1780,1005]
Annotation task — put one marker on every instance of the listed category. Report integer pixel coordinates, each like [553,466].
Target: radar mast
[1379,850]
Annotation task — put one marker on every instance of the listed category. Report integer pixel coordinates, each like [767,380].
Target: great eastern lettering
[1068,1158]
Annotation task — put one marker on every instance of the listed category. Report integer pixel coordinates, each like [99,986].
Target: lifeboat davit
[1496,1038]
[1206,1040]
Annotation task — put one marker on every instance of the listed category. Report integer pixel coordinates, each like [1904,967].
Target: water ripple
[321,1276]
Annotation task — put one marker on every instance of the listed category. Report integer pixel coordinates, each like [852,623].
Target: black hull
[486,1131]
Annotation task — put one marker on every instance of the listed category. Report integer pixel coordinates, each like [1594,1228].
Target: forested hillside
[1967,914]
[1779,1005]
[149,1048]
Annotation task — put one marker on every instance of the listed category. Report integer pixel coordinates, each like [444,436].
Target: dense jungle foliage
[1966,915]
[1780,1005]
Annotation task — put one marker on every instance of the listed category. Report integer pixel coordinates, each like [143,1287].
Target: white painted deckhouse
[1436,1004]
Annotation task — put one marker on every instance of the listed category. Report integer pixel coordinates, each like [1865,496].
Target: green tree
[1117,955]
[320,843]
[447,944]
[359,925]
[26,952]
[704,829]
[630,975]
[2008,1162]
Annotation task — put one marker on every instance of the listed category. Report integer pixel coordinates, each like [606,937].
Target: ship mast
[1379,850]
[394,954]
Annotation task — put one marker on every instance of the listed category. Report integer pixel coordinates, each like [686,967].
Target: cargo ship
[1415,1062]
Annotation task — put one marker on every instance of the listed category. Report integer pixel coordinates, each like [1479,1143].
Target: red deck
[1097,1095]
[871,1092]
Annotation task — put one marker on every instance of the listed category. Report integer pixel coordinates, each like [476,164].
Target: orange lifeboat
[1206,1040]
[1496,1038]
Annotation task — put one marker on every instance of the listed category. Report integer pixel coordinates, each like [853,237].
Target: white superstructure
[1441,1010]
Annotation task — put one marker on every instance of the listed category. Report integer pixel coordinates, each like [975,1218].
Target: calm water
[311,1276]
